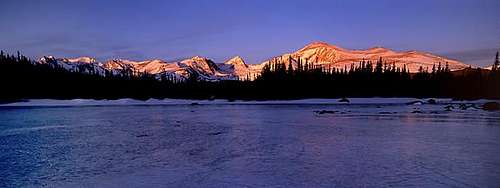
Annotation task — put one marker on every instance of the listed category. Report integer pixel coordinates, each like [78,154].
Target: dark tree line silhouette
[22,78]
[378,79]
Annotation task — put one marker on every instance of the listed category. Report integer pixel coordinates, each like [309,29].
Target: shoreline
[170,101]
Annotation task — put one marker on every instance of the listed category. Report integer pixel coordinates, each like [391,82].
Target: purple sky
[468,30]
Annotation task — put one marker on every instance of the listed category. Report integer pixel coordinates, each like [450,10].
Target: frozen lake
[368,143]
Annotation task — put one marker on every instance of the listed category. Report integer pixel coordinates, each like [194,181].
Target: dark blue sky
[256,30]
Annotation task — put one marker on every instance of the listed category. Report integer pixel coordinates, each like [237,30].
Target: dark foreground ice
[249,145]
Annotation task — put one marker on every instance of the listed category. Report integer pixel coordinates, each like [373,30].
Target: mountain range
[317,53]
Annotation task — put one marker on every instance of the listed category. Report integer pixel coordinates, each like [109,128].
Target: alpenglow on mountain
[318,53]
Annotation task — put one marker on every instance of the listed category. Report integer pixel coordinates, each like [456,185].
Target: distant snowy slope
[317,53]
[324,54]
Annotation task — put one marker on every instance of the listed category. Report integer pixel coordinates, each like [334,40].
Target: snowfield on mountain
[317,53]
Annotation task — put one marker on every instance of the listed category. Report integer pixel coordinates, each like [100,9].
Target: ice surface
[171,143]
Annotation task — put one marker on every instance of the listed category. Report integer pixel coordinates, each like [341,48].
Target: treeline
[21,78]
[369,79]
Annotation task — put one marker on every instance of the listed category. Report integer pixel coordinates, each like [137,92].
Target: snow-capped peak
[237,60]
[198,58]
[317,53]
[320,45]
[324,54]
[81,60]
[46,59]
[68,60]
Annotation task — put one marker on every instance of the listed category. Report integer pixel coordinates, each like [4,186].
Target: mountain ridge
[319,53]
